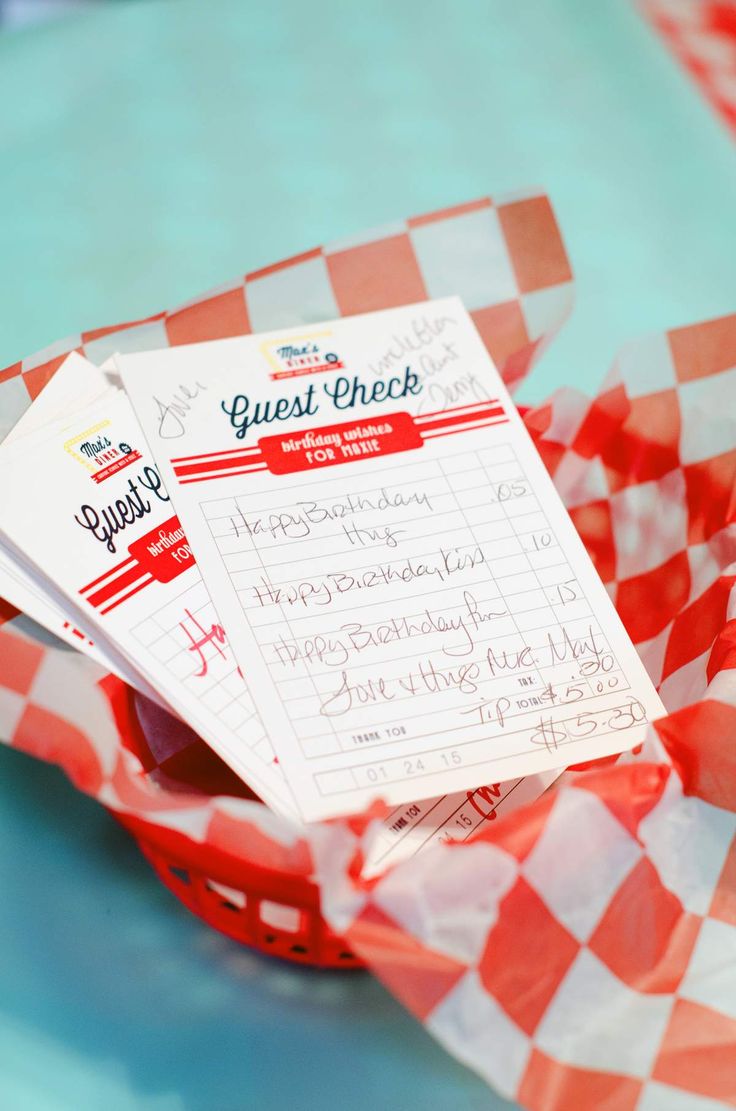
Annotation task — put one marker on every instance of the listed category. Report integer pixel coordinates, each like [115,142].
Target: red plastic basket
[267,910]
[273,911]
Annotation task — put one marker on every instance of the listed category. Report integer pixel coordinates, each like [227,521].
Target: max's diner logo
[299,355]
[97,450]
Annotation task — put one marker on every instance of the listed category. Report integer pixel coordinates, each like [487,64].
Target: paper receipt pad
[402,587]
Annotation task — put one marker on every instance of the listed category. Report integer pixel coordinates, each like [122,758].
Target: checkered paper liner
[702,34]
[579,953]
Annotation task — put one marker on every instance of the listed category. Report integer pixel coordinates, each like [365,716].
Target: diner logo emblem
[307,354]
[99,453]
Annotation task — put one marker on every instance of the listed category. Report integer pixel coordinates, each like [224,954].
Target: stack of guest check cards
[335,552]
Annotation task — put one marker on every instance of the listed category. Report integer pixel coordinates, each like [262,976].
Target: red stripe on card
[130,594]
[217,465]
[110,589]
[216,454]
[452,431]
[225,474]
[113,571]
[74,630]
[477,405]
[228,464]
[238,453]
[467,420]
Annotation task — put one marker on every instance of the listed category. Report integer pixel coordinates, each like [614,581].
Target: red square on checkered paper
[645,935]
[194,323]
[533,240]
[703,349]
[526,925]
[376,275]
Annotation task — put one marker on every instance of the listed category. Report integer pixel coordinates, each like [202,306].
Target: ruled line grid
[220,510]
[236,711]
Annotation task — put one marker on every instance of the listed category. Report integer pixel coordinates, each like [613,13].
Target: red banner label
[163,552]
[340,443]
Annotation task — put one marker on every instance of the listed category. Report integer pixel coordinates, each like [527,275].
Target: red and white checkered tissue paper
[702,34]
[580,953]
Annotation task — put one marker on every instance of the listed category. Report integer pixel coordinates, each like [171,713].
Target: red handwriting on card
[214,636]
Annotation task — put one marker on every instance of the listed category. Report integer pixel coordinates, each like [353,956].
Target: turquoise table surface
[149,150]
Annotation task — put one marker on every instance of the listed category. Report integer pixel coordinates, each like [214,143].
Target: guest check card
[75,379]
[84,505]
[412,606]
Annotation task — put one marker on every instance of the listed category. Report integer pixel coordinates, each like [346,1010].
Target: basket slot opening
[281,916]
[180,874]
[230,897]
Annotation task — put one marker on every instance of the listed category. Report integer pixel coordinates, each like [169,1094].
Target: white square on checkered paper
[544,308]
[580,481]
[297,294]
[710,978]
[581,838]
[12,708]
[652,653]
[645,365]
[362,239]
[333,847]
[62,685]
[448,900]
[687,841]
[59,347]
[685,685]
[477,1030]
[649,524]
[708,414]
[707,561]
[16,400]
[466,255]
[151,336]
[589,1004]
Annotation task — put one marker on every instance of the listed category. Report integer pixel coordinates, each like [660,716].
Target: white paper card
[408,599]
[75,379]
[86,507]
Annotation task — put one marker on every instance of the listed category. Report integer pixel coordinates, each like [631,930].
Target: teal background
[149,150]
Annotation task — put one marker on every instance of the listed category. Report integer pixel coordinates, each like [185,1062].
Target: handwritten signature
[172,413]
[420,333]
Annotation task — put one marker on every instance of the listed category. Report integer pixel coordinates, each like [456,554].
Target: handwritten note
[404,591]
